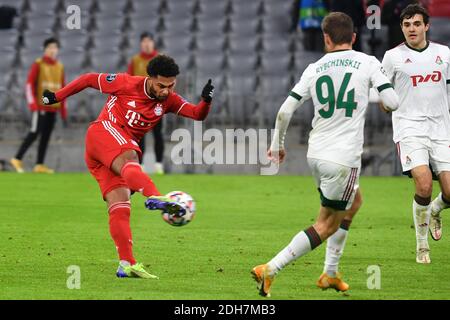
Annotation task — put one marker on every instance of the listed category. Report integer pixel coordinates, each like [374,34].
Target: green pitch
[51,222]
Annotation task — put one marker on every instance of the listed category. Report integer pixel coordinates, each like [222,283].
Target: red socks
[137,180]
[119,212]
[119,227]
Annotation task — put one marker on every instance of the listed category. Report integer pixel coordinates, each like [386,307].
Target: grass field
[51,222]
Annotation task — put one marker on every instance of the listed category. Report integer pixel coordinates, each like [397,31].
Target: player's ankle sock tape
[313,236]
[137,180]
[421,200]
[345,224]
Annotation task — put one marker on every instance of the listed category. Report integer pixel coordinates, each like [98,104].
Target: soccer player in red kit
[134,106]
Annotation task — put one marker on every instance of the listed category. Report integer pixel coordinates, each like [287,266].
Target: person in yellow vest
[46,73]
[138,67]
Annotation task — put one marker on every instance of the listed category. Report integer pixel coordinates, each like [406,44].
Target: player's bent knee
[424,189]
[117,195]
[122,159]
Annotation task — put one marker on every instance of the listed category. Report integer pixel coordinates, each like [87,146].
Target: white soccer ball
[188,204]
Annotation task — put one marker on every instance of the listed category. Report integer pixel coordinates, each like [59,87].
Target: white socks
[421,215]
[438,205]
[299,246]
[335,249]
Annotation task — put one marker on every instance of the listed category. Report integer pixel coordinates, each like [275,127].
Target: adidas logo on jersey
[439,60]
[132,104]
[408,61]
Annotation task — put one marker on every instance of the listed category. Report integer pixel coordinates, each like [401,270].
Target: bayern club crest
[158,110]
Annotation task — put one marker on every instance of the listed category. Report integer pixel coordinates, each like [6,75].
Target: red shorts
[104,142]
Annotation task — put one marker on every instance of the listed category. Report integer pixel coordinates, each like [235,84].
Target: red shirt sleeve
[63,103]
[105,83]
[31,87]
[181,107]
[112,83]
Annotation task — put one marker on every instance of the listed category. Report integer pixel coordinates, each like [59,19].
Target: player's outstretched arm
[87,80]
[200,111]
[277,152]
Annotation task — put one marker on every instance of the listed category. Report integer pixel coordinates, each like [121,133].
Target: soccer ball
[187,202]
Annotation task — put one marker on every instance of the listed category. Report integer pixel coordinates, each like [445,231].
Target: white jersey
[420,78]
[339,85]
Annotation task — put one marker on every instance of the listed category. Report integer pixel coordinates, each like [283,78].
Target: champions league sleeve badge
[111,77]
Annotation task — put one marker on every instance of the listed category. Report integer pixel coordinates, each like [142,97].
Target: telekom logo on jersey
[132,117]
[436,76]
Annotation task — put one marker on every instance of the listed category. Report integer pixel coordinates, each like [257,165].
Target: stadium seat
[144,8]
[177,45]
[42,7]
[6,62]
[105,42]
[178,25]
[40,22]
[275,64]
[107,23]
[143,23]
[179,9]
[112,8]
[28,57]
[245,28]
[72,40]
[276,44]
[8,39]
[211,65]
[214,9]
[206,45]
[242,45]
[245,10]
[73,60]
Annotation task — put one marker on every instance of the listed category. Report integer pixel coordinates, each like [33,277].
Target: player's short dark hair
[162,65]
[413,9]
[49,41]
[146,34]
[339,27]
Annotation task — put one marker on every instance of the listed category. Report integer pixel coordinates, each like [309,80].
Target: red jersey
[129,105]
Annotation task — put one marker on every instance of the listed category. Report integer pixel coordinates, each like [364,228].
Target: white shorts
[337,184]
[419,151]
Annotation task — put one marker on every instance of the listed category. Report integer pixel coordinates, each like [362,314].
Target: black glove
[49,97]
[208,91]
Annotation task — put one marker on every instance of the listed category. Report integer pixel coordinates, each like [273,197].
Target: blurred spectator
[46,73]
[355,9]
[7,15]
[437,8]
[390,16]
[138,67]
[312,13]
